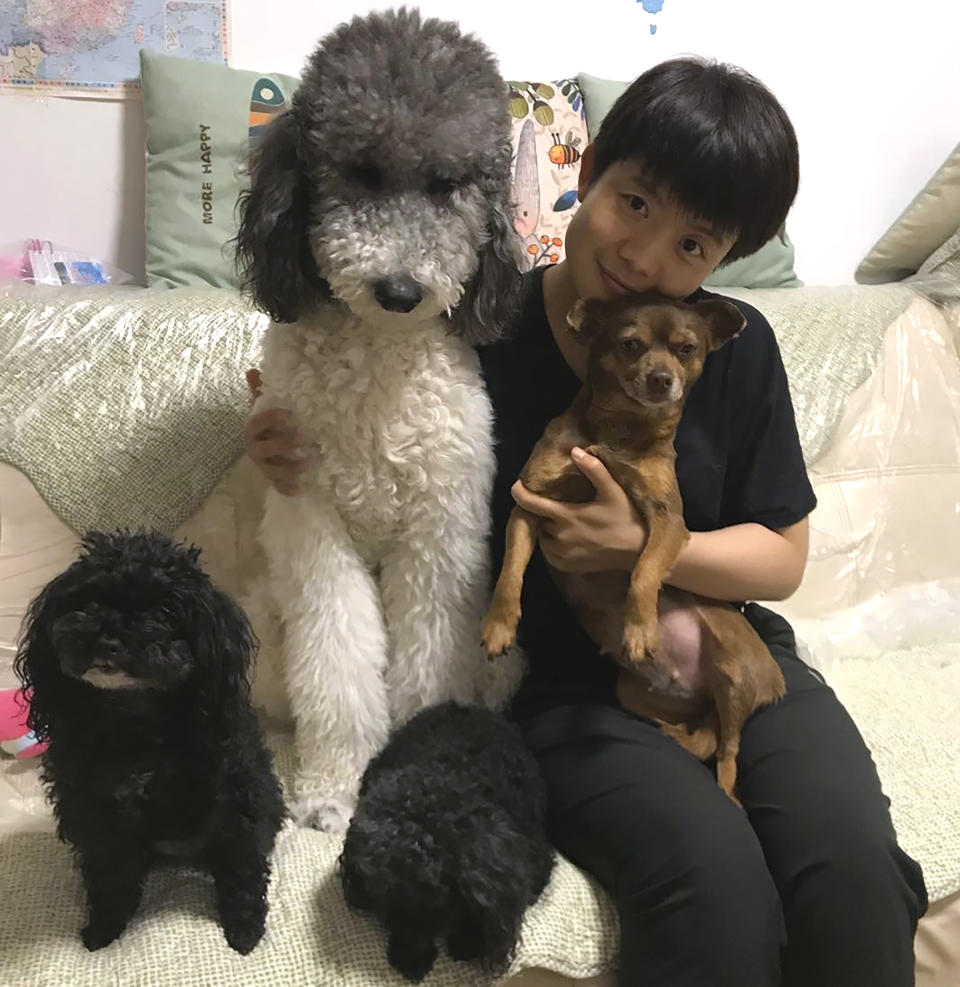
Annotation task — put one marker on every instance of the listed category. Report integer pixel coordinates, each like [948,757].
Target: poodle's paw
[464,943]
[97,934]
[243,932]
[329,815]
[414,960]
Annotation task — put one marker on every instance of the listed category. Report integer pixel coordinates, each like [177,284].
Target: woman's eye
[638,204]
[690,246]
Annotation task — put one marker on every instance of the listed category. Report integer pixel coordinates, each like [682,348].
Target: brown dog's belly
[678,673]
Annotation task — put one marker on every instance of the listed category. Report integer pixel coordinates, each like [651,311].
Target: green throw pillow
[598,96]
[770,267]
[200,120]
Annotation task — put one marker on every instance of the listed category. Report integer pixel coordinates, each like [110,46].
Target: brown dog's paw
[640,640]
[499,635]
[730,791]
[727,777]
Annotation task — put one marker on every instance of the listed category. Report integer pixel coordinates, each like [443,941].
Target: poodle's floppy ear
[273,252]
[227,645]
[496,895]
[491,299]
[37,664]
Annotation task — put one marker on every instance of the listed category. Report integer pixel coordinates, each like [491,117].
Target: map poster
[92,47]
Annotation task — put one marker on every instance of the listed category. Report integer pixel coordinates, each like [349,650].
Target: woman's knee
[840,849]
[851,898]
[705,903]
[716,858]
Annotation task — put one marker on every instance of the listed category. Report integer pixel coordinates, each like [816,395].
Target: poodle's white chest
[399,421]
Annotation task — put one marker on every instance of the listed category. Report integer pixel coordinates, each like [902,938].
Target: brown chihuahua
[693,665]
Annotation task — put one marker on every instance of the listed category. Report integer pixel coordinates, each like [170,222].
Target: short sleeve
[766,480]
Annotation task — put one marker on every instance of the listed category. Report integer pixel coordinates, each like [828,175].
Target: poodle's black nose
[400,294]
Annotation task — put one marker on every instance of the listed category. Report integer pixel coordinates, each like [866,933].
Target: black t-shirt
[738,460]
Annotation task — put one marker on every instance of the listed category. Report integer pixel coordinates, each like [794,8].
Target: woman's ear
[585,177]
[273,249]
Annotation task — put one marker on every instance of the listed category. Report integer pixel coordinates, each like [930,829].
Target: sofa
[875,374]
[123,406]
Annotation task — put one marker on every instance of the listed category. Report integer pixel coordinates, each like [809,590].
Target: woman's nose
[644,259]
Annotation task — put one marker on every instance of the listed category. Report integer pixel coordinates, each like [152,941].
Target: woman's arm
[742,562]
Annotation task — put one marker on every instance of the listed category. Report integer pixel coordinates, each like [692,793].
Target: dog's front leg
[667,535]
[334,653]
[411,951]
[241,873]
[113,873]
[433,583]
[500,627]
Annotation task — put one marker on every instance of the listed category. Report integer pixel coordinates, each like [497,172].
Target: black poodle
[447,842]
[137,671]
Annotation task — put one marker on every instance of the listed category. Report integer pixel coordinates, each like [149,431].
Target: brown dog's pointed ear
[575,317]
[723,319]
[583,320]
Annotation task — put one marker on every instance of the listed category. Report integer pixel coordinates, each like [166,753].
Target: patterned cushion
[549,135]
[201,119]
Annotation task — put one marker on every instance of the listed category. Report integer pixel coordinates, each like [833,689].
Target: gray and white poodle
[376,233]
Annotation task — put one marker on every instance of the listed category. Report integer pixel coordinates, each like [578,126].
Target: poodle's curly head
[134,613]
[387,183]
[435,861]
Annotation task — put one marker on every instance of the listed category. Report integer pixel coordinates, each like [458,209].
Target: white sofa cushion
[888,485]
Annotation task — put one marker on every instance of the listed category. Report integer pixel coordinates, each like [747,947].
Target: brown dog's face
[653,349]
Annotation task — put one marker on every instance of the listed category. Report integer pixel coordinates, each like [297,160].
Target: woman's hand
[272,442]
[605,533]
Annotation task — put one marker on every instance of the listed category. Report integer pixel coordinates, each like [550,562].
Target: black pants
[807,888]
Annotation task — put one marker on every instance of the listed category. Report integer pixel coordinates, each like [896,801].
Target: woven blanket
[124,406]
[312,938]
[830,339]
[905,703]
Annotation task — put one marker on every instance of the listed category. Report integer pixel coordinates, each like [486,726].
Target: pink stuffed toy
[16,738]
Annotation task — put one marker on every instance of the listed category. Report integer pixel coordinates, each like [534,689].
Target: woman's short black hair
[716,138]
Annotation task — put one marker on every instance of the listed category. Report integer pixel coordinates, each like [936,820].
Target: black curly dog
[138,668]
[447,842]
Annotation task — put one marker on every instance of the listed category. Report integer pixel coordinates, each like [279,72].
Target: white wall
[873,88]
